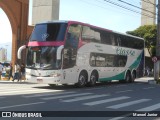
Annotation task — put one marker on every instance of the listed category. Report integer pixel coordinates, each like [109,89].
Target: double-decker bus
[70,52]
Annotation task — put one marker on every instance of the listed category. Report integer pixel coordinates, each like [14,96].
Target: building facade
[148,14]
[3,54]
[45,10]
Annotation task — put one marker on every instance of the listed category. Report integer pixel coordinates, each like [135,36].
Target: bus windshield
[42,58]
[49,32]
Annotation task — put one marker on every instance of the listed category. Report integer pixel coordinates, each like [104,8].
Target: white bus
[70,52]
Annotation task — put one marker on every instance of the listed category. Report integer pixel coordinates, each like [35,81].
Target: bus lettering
[121,51]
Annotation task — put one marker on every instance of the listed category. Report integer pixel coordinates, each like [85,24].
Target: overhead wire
[137,7]
[124,7]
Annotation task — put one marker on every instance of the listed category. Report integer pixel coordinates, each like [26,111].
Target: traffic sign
[154,59]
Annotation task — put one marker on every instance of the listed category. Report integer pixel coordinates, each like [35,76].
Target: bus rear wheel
[93,79]
[128,77]
[82,80]
[133,76]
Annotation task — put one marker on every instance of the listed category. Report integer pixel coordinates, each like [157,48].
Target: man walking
[17,72]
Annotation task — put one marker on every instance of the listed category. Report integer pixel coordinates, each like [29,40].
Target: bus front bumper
[48,80]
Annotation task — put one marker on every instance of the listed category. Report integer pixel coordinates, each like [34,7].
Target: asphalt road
[112,101]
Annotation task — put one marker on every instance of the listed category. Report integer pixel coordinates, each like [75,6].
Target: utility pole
[156,65]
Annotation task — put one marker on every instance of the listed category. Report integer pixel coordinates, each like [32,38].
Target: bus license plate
[40,80]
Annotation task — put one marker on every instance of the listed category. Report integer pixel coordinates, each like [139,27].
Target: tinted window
[126,41]
[108,38]
[90,34]
[107,60]
[71,46]
[49,32]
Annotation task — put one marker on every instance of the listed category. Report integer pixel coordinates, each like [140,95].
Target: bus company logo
[121,51]
[44,36]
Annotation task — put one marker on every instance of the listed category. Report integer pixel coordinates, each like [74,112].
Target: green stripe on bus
[116,77]
[121,75]
[136,63]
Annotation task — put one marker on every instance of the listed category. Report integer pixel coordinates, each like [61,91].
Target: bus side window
[93,59]
[122,60]
[113,40]
[106,38]
[71,45]
[90,34]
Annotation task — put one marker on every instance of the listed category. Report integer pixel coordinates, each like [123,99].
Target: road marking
[124,91]
[95,88]
[20,105]
[22,92]
[41,95]
[148,88]
[65,96]
[84,98]
[150,108]
[117,118]
[106,100]
[128,103]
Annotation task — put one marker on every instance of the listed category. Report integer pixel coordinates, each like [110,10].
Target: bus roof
[87,24]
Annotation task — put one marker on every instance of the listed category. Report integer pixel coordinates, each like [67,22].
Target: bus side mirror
[20,50]
[59,51]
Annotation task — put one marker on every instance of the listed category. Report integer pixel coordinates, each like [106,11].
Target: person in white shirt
[1,68]
[17,72]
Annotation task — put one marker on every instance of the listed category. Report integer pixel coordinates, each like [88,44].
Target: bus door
[70,53]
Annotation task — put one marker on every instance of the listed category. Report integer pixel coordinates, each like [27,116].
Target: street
[112,97]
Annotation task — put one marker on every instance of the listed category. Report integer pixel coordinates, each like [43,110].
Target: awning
[146,52]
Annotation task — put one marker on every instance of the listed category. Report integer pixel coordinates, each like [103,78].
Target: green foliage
[149,33]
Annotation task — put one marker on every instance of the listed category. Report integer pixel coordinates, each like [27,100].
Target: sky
[96,12]
[102,13]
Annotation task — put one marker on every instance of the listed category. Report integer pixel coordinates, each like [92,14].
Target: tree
[149,33]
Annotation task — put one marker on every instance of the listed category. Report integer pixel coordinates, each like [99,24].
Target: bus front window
[49,32]
[42,58]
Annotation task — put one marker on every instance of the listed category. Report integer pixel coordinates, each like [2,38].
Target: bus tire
[128,77]
[93,79]
[82,80]
[133,76]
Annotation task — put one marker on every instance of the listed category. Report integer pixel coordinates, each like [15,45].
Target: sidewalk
[10,81]
[143,79]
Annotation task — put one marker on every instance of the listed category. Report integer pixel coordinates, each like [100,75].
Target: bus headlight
[55,75]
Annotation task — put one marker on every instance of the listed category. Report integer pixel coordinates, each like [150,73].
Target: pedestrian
[17,72]
[3,72]
[1,68]
[22,71]
[10,72]
[147,71]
